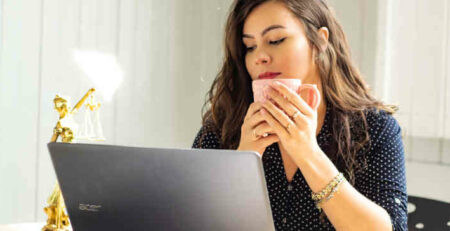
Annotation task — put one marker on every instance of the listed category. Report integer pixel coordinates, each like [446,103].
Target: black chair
[428,214]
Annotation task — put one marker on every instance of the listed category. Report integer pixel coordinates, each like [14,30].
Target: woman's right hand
[256,134]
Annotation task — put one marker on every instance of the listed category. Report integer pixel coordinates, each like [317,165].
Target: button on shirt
[383,181]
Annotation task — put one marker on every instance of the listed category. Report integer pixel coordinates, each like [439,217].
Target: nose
[262,58]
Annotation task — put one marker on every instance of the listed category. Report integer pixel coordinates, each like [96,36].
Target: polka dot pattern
[383,181]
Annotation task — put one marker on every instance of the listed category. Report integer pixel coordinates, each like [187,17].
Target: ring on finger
[297,113]
[288,126]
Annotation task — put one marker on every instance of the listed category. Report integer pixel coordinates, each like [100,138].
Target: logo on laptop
[90,208]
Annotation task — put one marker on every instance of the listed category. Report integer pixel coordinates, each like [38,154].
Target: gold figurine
[57,217]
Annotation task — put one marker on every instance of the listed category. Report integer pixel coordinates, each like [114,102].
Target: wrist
[310,155]
[317,169]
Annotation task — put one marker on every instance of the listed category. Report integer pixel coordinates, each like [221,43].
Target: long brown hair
[344,89]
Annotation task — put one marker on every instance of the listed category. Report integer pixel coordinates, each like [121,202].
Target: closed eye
[277,42]
[249,49]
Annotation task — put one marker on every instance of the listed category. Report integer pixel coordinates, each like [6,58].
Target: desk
[24,227]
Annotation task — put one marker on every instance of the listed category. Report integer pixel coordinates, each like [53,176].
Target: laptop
[109,187]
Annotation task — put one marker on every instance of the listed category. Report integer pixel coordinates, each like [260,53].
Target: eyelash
[277,42]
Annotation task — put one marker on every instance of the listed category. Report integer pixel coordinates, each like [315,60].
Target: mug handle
[314,94]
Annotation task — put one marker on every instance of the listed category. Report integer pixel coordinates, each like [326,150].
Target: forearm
[347,209]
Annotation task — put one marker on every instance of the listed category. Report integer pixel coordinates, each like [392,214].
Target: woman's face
[276,42]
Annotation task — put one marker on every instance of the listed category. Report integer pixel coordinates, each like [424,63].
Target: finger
[279,129]
[269,140]
[254,120]
[287,107]
[294,98]
[282,102]
[252,109]
[299,119]
[278,115]
[263,129]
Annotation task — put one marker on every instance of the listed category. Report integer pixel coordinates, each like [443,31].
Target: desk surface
[24,227]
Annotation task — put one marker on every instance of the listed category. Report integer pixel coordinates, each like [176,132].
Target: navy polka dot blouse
[383,181]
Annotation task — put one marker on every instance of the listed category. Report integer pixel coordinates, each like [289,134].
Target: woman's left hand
[293,120]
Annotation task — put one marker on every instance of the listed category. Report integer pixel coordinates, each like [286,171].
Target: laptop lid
[108,187]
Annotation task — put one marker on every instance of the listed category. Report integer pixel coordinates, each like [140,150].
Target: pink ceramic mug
[313,96]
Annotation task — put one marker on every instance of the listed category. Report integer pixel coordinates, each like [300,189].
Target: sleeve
[384,181]
[206,139]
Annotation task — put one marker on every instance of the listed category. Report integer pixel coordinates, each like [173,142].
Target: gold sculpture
[57,217]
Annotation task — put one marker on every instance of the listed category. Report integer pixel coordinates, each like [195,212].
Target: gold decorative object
[57,217]
[92,127]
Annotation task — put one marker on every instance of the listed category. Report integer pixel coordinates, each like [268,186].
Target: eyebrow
[273,27]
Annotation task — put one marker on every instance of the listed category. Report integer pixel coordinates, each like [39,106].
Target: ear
[323,34]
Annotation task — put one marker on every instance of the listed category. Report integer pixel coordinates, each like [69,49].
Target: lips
[268,75]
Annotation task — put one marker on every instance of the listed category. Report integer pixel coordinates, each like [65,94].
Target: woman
[305,149]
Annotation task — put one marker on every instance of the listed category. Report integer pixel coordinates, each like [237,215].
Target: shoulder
[378,120]
[208,137]
[382,126]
